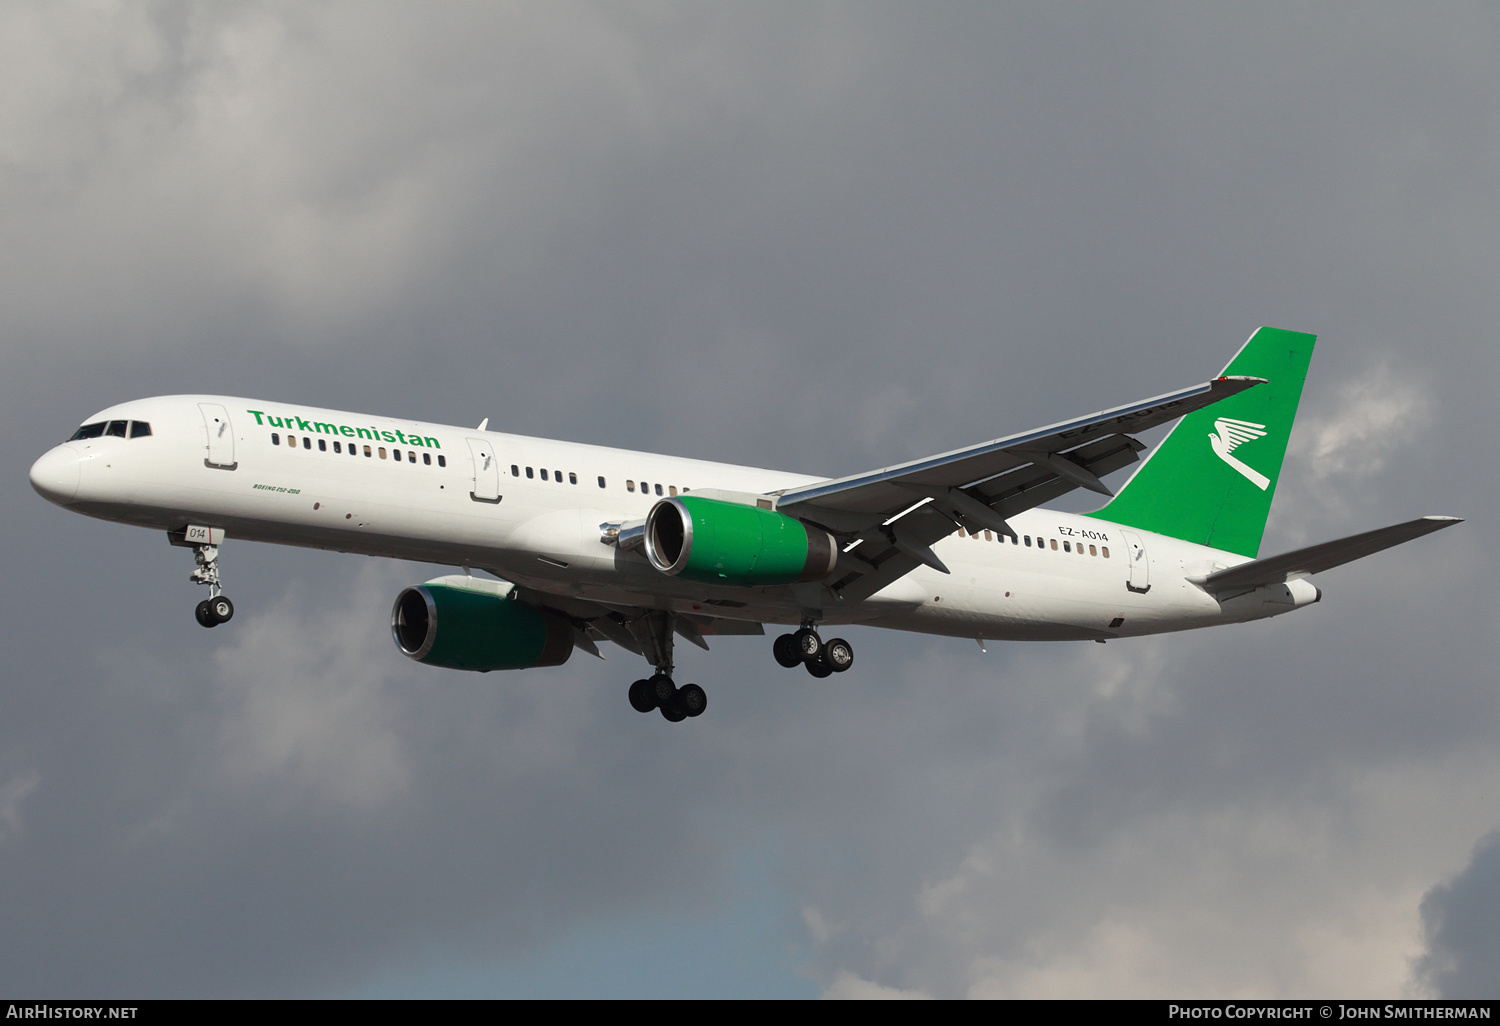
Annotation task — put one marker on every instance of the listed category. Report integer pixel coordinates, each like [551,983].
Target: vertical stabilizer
[1212,478]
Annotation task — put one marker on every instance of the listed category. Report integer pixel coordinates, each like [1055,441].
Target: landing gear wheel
[662,689]
[221,609]
[205,615]
[819,668]
[642,698]
[692,700]
[784,648]
[808,645]
[838,654]
[672,711]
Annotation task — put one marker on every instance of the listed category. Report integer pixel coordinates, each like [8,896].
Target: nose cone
[55,475]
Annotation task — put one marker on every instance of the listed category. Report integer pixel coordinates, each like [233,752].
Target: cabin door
[220,436]
[486,471]
[1140,566]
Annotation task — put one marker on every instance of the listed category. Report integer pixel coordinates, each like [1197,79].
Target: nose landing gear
[204,541]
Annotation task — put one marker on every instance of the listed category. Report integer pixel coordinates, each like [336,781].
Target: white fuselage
[464,497]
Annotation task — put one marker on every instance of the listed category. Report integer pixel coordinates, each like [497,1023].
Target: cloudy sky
[818,237]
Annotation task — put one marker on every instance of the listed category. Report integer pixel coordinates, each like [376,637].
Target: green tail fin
[1212,478]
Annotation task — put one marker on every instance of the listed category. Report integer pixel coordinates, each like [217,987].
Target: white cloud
[305,702]
[818,926]
[1375,416]
[1206,882]
[848,987]
[13,792]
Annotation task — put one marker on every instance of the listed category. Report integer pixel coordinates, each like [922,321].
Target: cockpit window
[116,428]
[88,431]
[139,429]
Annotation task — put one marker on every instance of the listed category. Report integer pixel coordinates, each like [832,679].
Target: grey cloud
[819,238]
[1459,917]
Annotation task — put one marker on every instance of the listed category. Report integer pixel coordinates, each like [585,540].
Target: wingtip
[1445,521]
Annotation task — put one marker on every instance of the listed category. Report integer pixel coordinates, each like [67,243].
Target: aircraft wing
[637,630]
[892,516]
[1315,558]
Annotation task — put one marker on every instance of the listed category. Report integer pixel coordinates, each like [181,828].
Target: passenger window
[396,453]
[1093,551]
[116,428]
[515,471]
[1054,544]
[306,442]
[544,473]
[368,453]
[671,489]
[1028,541]
[442,460]
[322,445]
[275,438]
[529,474]
[139,429]
[382,452]
[630,486]
[411,457]
[988,537]
[572,478]
[353,450]
[1067,547]
[1105,550]
[601,482]
[88,431]
[658,489]
[427,458]
[557,476]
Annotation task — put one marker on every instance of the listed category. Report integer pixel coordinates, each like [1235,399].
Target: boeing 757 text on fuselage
[592,544]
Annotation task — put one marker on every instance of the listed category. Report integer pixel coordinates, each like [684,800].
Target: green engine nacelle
[717,542]
[469,629]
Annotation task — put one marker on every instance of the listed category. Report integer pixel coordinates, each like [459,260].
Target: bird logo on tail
[1229,434]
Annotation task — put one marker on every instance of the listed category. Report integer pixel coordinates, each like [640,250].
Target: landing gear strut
[805,648]
[217,608]
[654,633]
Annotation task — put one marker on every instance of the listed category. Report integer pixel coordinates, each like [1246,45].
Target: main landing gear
[805,648]
[676,704]
[217,608]
[653,632]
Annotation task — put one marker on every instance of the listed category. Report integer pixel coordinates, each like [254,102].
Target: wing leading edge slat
[883,491]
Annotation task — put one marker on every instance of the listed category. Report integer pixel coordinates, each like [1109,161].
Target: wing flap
[899,512]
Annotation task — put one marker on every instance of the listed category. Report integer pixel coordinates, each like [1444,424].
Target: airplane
[589,544]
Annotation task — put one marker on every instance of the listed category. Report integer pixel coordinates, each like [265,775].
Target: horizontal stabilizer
[1316,558]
